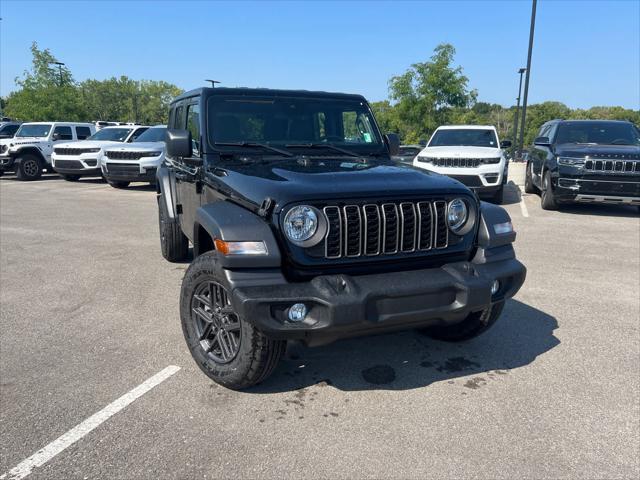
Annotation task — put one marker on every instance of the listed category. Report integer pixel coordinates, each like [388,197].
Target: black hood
[622,152]
[293,180]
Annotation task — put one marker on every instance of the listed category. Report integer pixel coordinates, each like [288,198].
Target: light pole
[515,117]
[526,81]
[60,65]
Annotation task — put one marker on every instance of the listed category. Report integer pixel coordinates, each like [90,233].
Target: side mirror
[178,143]
[393,142]
[505,144]
[542,141]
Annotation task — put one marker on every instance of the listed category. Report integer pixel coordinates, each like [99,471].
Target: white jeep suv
[470,154]
[75,159]
[29,152]
[136,162]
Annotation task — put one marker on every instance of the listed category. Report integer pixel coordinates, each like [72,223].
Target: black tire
[29,167]
[529,187]
[250,355]
[547,198]
[119,184]
[70,178]
[472,326]
[173,243]
[1,173]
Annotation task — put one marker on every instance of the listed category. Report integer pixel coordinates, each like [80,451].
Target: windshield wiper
[323,145]
[254,145]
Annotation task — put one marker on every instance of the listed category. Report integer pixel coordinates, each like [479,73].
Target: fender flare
[166,188]
[30,150]
[231,222]
[491,215]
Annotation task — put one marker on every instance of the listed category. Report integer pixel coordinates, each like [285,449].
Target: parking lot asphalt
[89,311]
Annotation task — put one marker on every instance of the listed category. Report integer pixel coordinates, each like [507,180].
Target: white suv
[75,159]
[28,153]
[470,154]
[136,162]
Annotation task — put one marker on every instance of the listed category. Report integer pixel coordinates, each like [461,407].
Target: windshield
[111,134]
[152,135]
[288,121]
[464,137]
[606,133]
[40,130]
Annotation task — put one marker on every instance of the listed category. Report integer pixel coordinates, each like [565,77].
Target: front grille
[123,155]
[70,164]
[612,166]
[123,168]
[385,229]
[71,151]
[457,162]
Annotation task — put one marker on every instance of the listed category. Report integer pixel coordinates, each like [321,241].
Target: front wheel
[29,168]
[529,187]
[475,324]
[547,198]
[227,348]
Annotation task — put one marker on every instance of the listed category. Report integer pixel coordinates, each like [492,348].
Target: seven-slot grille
[123,155]
[612,166]
[456,162]
[71,151]
[385,229]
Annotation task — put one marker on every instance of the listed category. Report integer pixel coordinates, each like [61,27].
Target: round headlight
[300,223]
[457,214]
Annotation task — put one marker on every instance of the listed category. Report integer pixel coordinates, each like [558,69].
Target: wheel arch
[30,151]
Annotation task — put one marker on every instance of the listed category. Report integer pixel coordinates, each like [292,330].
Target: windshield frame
[27,125]
[376,147]
[110,129]
[464,129]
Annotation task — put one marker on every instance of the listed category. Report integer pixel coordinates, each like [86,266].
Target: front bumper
[485,179]
[342,306]
[76,165]
[587,189]
[6,163]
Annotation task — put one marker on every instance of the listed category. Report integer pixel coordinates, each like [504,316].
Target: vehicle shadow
[10,177]
[410,360]
[511,194]
[601,210]
[141,187]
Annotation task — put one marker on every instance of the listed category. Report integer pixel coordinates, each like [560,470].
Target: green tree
[427,94]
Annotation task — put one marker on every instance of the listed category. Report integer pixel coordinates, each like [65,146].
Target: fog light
[495,286]
[297,312]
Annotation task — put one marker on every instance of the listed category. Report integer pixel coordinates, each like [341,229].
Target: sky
[585,53]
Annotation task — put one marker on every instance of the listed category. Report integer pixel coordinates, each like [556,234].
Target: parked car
[134,162]
[304,228]
[472,155]
[9,129]
[588,161]
[28,153]
[406,154]
[76,159]
[100,124]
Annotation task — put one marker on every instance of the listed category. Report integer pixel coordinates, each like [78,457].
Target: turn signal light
[240,248]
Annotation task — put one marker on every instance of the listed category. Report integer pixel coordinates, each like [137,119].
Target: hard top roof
[264,92]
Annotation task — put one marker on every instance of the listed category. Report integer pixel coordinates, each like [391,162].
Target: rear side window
[83,132]
[193,125]
[63,133]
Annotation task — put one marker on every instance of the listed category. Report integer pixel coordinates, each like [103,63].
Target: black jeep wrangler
[303,228]
[585,161]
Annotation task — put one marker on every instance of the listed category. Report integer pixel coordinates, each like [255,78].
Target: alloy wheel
[217,324]
[30,167]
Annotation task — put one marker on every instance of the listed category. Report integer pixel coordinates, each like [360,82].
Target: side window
[137,133]
[83,132]
[62,133]
[193,125]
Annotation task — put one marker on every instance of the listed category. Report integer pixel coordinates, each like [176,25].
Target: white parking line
[42,456]
[523,207]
